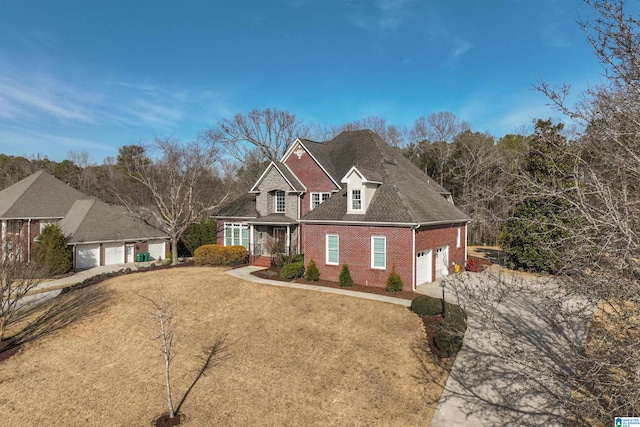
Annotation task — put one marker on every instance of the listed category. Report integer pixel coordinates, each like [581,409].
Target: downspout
[413,256]
[299,224]
[4,239]
[29,241]
[466,243]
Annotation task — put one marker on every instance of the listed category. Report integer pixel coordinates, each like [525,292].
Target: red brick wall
[311,176]
[355,251]
[438,236]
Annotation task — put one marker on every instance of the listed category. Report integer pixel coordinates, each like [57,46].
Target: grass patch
[304,358]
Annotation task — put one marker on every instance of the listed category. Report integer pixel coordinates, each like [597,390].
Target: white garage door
[442,261]
[87,256]
[156,249]
[113,253]
[423,267]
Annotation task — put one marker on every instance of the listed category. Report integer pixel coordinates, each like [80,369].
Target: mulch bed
[165,421]
[272,273]
[432,324]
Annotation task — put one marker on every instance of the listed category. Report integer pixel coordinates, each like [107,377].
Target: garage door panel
[424,267]
[113,253]
[87,256]
[156,249]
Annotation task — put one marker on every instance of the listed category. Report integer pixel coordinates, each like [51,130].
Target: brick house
[352,200]
[98,233]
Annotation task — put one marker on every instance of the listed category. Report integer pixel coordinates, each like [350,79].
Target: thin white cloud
[382,15]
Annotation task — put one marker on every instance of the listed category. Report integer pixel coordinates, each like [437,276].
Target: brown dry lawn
[291,357]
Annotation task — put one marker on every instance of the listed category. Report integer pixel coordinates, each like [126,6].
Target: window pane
[227,235]
[280,201]
[332,249]
[315,200]
[245,237]
[356,203]
[379,252]
[325,196]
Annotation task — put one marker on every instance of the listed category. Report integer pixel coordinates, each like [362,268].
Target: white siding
[87,256]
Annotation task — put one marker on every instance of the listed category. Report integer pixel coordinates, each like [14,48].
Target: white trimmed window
[236,234]
[356,200]
[279,200]
[458,238]
[379,252]
[318,198]
[332,249]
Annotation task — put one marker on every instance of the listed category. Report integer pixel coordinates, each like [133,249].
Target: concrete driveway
[513,343]
[51,288]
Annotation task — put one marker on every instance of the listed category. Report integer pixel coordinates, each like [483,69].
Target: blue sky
[97,75]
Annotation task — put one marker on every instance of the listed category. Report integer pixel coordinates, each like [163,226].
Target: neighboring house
[352,200]
[99,234]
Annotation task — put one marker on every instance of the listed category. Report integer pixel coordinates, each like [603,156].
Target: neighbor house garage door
[87,256]
[442,261]
[113,253]
[423,267]
[156,249]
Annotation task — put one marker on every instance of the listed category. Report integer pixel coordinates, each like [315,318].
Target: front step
[262,261]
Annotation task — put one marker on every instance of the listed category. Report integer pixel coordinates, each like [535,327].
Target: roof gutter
[383,223]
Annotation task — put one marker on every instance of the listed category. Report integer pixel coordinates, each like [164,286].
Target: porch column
[252,245]
[288,240]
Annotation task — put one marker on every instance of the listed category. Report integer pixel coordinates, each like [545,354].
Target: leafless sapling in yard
[163,314]
[17,278]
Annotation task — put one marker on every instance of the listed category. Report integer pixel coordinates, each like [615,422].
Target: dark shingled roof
[407,194]
[274,218]
[91,220]
[37,196]
[242,207]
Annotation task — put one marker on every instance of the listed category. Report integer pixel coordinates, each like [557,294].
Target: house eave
[382,223]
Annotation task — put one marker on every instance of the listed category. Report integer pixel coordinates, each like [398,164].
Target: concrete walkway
[245,274]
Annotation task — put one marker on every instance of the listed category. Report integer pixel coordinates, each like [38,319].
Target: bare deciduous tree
[184,186]
[270,131]
[17,278]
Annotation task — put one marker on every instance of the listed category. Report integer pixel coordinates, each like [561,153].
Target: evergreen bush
[449,338]
[312,274]
[345,277]
[394,281]
[292,271]
[198,234]
[425,305]
[52,250]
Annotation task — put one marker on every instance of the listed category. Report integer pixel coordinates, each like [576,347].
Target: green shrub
[281,260]
[220,255]
[292,271]
[198,234]
[52,251]
[345,277]
[425,305]
[312,274]
[449,338]
[394,281]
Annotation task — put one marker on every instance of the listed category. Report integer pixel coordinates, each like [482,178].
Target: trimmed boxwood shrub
[345,277]
[312,274]
[425,305]
[394,282]
[220,255]
[449,338]
[292,271]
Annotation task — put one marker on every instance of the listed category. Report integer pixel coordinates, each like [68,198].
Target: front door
[129,251]
[280,237]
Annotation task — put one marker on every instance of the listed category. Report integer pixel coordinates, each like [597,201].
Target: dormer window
[318,198]
[279,200]
[356,200]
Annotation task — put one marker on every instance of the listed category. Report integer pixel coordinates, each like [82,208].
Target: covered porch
[273,235]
